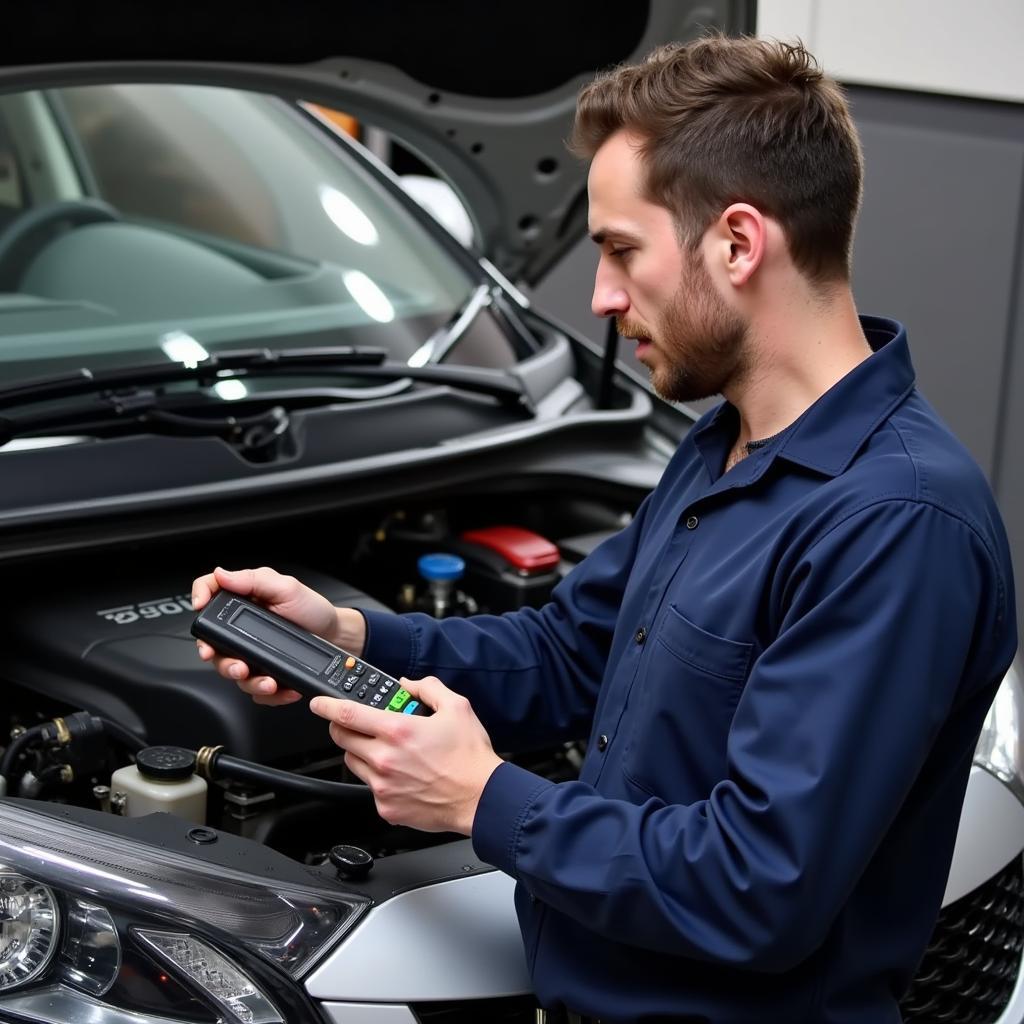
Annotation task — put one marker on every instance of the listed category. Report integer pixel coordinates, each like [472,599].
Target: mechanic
[783,662]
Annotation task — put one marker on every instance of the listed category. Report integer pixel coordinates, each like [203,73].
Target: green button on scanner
[399,700]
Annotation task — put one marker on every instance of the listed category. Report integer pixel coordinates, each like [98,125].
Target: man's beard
[701,341]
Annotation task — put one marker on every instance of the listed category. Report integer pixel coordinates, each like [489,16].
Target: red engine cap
[521,548]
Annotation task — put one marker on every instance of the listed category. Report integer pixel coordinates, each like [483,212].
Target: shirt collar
[831,432]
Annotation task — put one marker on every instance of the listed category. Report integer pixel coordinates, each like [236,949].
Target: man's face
[659,291]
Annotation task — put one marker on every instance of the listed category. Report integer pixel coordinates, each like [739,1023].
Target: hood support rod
[611,350]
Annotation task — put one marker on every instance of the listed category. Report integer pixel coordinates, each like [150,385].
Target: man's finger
[358,767]
[233,669]
[265,690]
[364,747]
[353,716]
[258,686]
[278,699]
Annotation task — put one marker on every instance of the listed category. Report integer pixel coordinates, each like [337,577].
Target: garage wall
[941,235]
[943,46]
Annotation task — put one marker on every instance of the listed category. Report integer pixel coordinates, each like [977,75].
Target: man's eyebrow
[601,235]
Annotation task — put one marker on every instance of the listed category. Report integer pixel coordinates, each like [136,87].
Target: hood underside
[484,94]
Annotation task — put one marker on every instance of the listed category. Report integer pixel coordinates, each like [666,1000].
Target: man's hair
[726,120]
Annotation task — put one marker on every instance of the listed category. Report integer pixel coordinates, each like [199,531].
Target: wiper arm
[133,392]
[496,383]
[343,358]
[444,339]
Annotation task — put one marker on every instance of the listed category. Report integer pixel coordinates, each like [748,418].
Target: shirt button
[602,743]
[641,635]
[691,523]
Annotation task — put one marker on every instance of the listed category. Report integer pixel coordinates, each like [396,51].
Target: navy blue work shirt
[783,671]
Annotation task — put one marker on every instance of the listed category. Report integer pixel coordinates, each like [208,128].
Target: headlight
[104,927]
[28,929]
[227,985]
[91,954]
[999,746]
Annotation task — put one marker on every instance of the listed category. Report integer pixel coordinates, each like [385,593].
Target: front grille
[508,1010]
[970,968]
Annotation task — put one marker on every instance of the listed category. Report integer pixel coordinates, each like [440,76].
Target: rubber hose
[225,766]
[123,736]
[19,743]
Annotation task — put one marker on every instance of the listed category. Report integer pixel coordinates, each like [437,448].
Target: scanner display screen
[272,635]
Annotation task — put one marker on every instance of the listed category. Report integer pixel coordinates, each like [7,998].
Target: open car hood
[483,93]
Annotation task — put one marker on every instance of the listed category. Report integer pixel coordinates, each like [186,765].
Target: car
[231,336]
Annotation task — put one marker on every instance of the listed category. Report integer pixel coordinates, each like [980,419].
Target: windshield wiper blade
[129,390]
[83,380]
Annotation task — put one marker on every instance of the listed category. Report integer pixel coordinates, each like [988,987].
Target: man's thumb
[264,584]
[238,581]
[430,690]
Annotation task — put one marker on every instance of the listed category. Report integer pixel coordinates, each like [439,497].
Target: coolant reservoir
[162,779]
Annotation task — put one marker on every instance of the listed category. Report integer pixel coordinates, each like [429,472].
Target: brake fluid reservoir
[441,572]
[162,779]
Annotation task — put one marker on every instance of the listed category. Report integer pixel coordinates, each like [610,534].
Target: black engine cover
[122,650]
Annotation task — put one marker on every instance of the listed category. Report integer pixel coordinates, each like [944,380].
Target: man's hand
[286,596]
[427,773]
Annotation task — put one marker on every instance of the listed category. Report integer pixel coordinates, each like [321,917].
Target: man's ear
[739,240]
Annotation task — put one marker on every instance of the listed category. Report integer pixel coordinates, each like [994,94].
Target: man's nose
[610,298]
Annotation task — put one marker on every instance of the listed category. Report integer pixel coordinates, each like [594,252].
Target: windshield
[142,222]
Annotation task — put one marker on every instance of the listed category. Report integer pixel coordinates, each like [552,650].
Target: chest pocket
[681,707]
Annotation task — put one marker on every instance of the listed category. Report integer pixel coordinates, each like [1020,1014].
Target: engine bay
[104,684]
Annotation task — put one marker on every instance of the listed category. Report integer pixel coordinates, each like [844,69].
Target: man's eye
[624,251]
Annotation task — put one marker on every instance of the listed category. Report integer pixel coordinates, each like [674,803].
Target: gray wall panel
[935,248]
[1010,464]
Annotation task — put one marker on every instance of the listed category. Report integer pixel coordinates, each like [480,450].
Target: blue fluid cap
[441,567]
